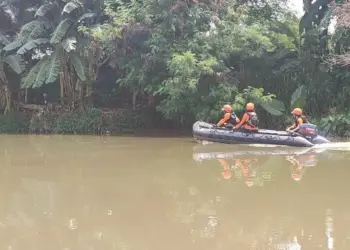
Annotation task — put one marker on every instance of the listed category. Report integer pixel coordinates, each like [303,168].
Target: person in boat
[249,120]
[299,119]
[228,118]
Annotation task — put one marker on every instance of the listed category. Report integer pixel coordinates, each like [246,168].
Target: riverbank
[44,120]
[88,121]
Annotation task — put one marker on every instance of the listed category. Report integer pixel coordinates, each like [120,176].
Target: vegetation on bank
[82,121]
[179,60]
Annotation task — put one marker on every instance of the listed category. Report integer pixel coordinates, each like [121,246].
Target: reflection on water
[70,192]
[250,164]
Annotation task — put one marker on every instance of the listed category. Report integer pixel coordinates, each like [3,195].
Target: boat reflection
[251,163]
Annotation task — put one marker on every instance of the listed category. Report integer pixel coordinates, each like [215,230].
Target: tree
[8,63]
[191,57]
[56,46]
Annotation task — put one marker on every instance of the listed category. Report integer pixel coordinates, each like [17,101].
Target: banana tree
[8,62]
[60,45]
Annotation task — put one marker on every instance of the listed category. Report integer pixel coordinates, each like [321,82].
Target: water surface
[85,192]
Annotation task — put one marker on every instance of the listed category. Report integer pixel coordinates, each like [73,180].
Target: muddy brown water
[89,193]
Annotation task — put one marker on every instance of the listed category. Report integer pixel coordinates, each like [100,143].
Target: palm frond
[85,16]
[16,63]
[298,95]
[79,66]
[32,45]
[39,31]
[28,28]
[274,107]
[54,67]
[4,40]
[30,79]
[61,30]
[45,8]
[41,76]
[14,45]
[71,6]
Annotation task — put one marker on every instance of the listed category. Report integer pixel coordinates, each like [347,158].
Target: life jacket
[303,118]
[232,120]
[253,119]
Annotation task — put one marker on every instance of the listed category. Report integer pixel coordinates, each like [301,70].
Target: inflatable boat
[307,137]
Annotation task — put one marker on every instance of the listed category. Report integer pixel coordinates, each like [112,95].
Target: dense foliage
[179,60]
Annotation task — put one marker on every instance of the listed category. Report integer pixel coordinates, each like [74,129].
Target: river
[137,193]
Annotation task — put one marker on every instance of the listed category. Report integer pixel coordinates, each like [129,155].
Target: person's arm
[226,117]
[244,120]
[299,121]
[290,128]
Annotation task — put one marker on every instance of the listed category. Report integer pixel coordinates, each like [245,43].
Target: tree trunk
[7,91]
[8,97]
[134,99]
[88,94]
[62,86]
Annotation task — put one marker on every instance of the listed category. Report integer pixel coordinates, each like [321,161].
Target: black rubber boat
[203,131]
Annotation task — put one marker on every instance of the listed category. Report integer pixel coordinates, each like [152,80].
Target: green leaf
[87,16]
[300,103]
[31,45]
[41,76]
[29,80]
[4,40]
[39,31]
[273,106]
[14,45]
[79,67]
[54,67]
[16,63]
[298,95]
[71,6]
[28,28]
[45,8]
[61,31]
[69,44]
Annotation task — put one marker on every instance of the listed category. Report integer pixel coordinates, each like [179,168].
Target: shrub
[124,121]
[13,123]
[85,121]
[335,125]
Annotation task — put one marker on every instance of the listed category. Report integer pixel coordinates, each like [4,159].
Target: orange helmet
[250,106]
[297,111]
[227,108]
